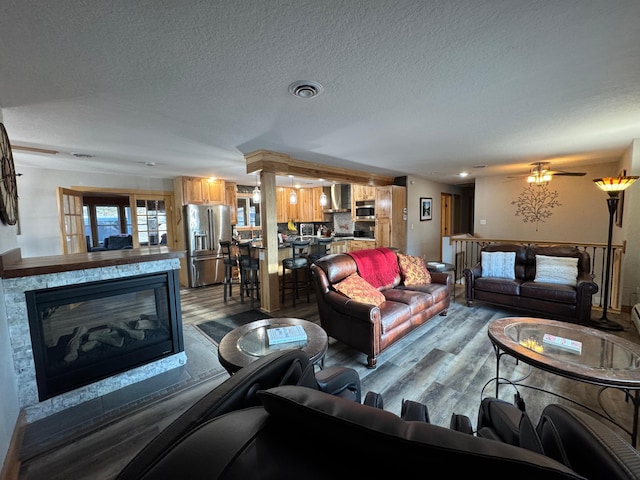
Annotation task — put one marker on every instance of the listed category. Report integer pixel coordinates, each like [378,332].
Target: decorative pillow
[413,270]
[357,288]
[499,264]
[561,270]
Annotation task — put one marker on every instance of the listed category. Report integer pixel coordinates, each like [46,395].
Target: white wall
[631,228]
[39,219]
[582,215]
[9,391]
[423,237]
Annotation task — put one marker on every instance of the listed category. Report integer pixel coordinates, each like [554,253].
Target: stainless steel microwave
[365,210]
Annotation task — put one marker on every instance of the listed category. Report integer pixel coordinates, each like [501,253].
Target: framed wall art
[426,207]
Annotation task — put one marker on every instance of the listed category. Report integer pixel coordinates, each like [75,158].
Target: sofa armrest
[470,275]
[442,278]
[341,381]
[585,282]
[472,272]
[346,306]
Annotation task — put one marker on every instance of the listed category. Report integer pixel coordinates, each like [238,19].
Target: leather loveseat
[259,424]
[523,286]
[368,328]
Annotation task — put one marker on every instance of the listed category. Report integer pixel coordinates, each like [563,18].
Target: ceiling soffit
[282,164]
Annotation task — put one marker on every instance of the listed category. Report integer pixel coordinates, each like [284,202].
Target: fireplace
[87,332]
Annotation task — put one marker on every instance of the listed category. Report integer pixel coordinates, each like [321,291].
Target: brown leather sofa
[367,328]
[564,302]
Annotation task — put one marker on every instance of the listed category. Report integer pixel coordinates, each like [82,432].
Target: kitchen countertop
[314,237]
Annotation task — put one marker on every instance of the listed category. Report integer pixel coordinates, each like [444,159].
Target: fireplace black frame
[49,385]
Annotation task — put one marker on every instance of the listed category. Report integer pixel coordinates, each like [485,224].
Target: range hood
[340,198]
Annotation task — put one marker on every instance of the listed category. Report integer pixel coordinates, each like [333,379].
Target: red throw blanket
[378,266]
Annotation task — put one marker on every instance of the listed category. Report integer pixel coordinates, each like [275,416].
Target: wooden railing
[465,253]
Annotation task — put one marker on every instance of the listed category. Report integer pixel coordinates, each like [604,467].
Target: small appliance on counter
[306,229]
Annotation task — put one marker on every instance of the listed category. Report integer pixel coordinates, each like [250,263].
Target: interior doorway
[89,215]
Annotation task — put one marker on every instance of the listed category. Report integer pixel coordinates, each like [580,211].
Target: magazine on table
[291,333]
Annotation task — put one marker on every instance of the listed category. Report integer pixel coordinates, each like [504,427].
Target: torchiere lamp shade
[614,185]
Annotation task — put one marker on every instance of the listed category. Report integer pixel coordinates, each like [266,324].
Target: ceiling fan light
[539,178]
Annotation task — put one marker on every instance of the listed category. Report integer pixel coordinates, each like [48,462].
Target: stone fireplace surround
[108,265]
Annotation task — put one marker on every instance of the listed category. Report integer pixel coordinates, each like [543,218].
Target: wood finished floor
[445,364]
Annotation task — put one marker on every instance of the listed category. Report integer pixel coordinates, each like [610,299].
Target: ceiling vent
[305,89]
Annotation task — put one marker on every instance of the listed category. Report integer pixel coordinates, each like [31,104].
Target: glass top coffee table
[572,351]
[247,343]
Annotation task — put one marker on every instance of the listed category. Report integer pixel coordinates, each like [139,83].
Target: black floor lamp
[613,186]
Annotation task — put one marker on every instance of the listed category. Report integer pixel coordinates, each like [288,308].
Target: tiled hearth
[20,337]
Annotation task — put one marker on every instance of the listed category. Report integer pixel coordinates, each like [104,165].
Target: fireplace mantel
[12,265]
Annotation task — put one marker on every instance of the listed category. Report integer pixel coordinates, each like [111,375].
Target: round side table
[247,343]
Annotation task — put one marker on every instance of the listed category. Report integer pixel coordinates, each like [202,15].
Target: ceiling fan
[540,172]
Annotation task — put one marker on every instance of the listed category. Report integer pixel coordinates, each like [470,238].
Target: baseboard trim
[11,465]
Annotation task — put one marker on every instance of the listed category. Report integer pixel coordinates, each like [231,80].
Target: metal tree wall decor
[535,203]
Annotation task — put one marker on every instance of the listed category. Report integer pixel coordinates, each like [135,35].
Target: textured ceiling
[418,87]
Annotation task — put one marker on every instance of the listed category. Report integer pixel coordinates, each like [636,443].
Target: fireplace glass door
[87,332]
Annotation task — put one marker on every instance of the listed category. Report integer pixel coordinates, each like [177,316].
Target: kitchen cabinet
[338,246]
[391,217]
[199,191]
[285,211]
[384,202]
[231,199]
[362,192]
[305,205]
[192,190]
[216,190]
[360,244]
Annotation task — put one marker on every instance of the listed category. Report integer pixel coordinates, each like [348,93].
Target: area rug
[218,328]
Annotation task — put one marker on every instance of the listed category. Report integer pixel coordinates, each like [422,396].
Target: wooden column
[270,164]
[269,266]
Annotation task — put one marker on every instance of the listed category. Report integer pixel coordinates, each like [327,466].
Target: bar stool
[230,262]
[249,273]
[298,261]
[322,248]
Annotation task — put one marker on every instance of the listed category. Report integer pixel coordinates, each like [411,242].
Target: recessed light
[463,174]
[150,164]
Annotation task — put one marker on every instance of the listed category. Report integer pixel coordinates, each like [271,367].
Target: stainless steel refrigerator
[205,226]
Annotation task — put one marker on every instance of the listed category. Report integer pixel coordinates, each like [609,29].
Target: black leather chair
[272,420]
[579,441]
[239,392]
